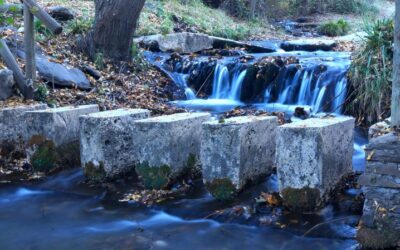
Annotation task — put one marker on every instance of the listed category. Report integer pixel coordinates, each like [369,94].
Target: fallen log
[43,16]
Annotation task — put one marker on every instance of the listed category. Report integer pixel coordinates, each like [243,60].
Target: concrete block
[13,126]
[13,132]
[106,142]
[53,136]
[236,151]
[167,146]
[312,156]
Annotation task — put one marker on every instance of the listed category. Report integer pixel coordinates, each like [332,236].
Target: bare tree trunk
[396,72]
[114,25]
[253,4]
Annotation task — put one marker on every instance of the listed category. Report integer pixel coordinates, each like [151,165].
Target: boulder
[61,13]
[310,45]
[61,75]
[6,83]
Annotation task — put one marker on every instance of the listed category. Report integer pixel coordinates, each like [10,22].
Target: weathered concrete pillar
[53,136]
[106,142]
[237,151]
[380,222]
[311,157]
[167,147]
[13,130]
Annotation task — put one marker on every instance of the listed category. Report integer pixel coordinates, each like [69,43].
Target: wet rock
[105,142]
[236,151]
[167,147]
[310,45]
[312,156]
[6,83]
[61,13]
[53,137]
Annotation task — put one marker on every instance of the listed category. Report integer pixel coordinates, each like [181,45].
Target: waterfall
[223,86]
[180,79]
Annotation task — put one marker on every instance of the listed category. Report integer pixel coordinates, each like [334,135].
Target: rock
[379,128]
[6,83]
[61,13]
[312,156]
[237,151]
[167,147]
[53,136]
[187,42]
[106,142]
[310,45]
[61,75]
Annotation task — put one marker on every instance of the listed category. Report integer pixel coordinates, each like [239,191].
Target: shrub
[79,25]
[371,74]
[339,28]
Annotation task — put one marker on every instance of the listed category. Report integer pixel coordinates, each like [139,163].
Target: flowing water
[62,212]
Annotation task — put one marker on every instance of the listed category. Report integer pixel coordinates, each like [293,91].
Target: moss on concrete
[304,199]
[45,157]
[373,238]
[191,162]
[154,177]
[222,189]
[95,173]
[48,157]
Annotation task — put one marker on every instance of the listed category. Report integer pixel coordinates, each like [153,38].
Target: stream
[63,212]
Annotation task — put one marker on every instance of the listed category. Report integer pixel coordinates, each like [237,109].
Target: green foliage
[222,189]
[99,61]
[371,74]
[41,92]
[339,28]
[42,33]
[79,25]
[45,157]
[154,177]
[138,58]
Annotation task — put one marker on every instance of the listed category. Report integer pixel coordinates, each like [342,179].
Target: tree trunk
[396,72]
[112,32]
[253,4]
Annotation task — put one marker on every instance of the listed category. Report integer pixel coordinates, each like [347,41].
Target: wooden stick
[43,16]
[29,39]
[5,53]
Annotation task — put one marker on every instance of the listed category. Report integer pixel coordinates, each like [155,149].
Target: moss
[191,162]
[48,157]
[154,177]
[305,199]
[44,159]
[94,173]
[222,189]
[378,239]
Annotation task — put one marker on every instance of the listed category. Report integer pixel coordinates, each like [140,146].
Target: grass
[339,28]
[162,17]
[371,74]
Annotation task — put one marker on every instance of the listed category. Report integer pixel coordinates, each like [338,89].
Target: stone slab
[312,156]
[106,142]
[237,151]
[6,83]
[167,146]
[53,136]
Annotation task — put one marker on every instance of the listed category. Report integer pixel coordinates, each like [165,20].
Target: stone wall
[380,222]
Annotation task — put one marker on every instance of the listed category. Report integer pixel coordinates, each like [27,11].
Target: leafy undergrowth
[339,28]
[370,74]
